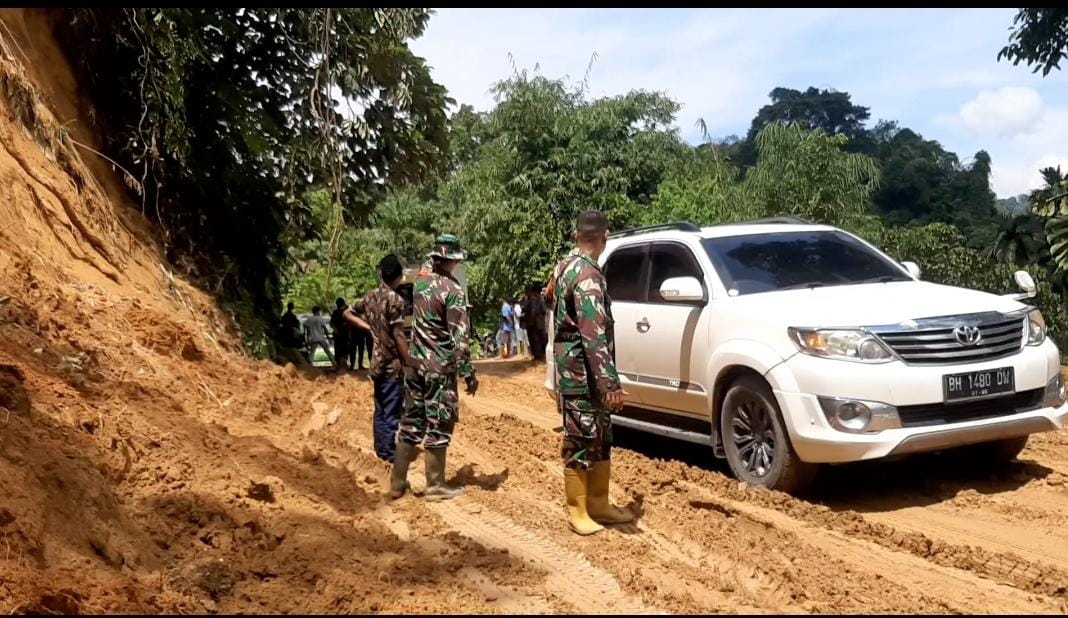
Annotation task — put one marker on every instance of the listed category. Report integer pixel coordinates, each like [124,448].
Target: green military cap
[447,247]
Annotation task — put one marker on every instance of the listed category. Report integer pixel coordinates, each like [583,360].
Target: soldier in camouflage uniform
[587,384]
[381,313]
[439,351]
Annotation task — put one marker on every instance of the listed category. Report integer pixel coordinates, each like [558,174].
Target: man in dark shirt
[343,334]
[382,312]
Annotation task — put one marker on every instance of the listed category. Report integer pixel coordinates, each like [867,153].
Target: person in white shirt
[519,332]
[315,333]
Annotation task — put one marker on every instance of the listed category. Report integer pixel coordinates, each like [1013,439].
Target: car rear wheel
[755,440]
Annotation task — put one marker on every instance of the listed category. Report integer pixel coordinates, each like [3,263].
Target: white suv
[785,345]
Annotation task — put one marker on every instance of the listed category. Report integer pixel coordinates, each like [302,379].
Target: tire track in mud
[983,595]
[1004,567]
[472,524]
[588,588]
[1034,546]
[784,571]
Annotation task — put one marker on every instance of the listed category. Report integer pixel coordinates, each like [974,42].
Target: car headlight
[851,345]
[1036,327]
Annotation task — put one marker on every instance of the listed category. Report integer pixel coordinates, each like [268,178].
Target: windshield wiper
[882,279]
[801,286]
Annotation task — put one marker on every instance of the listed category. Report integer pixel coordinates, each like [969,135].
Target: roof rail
[682,226]
[784,220]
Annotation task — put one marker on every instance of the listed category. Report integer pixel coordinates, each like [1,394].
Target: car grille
[932,341]
[942,413]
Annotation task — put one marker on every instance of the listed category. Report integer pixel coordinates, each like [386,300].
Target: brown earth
[146,466]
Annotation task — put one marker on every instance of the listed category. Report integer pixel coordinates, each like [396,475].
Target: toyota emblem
[967,335]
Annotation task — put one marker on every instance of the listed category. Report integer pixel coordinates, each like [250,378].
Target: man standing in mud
[343,334]
[315,333]
[384,312]
[439,351]
[587,384]
[534,318]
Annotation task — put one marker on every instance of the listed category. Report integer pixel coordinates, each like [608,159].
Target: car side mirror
[913,269]
[682,290]
[1026,283]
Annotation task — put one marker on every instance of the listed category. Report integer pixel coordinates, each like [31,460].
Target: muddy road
[148,466]
[929,534]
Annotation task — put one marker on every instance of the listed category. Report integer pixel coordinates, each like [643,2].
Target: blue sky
[932,70]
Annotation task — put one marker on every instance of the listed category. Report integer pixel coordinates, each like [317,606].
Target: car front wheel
[757,446]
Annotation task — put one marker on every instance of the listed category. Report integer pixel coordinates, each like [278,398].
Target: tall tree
[831,111]
[542,155]
[807,173]
[226,116]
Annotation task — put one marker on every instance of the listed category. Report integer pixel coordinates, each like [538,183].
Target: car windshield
[754,263]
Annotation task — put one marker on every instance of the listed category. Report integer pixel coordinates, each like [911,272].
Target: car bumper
[801,380]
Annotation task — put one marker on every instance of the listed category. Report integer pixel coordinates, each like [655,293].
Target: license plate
[979,384]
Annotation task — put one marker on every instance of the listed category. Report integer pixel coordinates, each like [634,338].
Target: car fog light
[859,416]
[854,415]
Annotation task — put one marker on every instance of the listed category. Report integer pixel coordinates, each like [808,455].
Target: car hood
[845,306]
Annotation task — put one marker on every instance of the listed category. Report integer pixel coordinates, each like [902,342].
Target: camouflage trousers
[587,431]
[433,409]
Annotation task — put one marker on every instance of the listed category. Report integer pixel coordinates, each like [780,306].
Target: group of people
[523,325]
[416,379]
[299,343]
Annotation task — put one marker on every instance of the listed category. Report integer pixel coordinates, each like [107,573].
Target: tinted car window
[756,263]
[667,261]
[623,272]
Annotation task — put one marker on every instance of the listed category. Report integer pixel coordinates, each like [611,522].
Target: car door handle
[643,326]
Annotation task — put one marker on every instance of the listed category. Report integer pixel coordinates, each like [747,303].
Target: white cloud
[1015,178]
[1045,144]
[1006,111]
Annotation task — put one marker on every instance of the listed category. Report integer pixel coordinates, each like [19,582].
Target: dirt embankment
[146,466]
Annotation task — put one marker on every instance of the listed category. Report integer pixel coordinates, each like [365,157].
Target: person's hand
[614,399]
[472,385]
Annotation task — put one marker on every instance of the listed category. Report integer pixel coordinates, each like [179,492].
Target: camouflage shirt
[583,329]
[383,308]
[440,324]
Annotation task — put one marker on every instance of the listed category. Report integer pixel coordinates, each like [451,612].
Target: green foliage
[1051,204]
[1038,37]
[403,224]
[941,251]
[808,174]
[1012,206]
[542,155]
[1021,241]
[703,188]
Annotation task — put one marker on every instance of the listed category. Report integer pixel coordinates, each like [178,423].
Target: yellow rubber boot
[575,490]
[599,508]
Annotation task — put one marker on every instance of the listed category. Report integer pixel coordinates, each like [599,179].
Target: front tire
[755,440]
